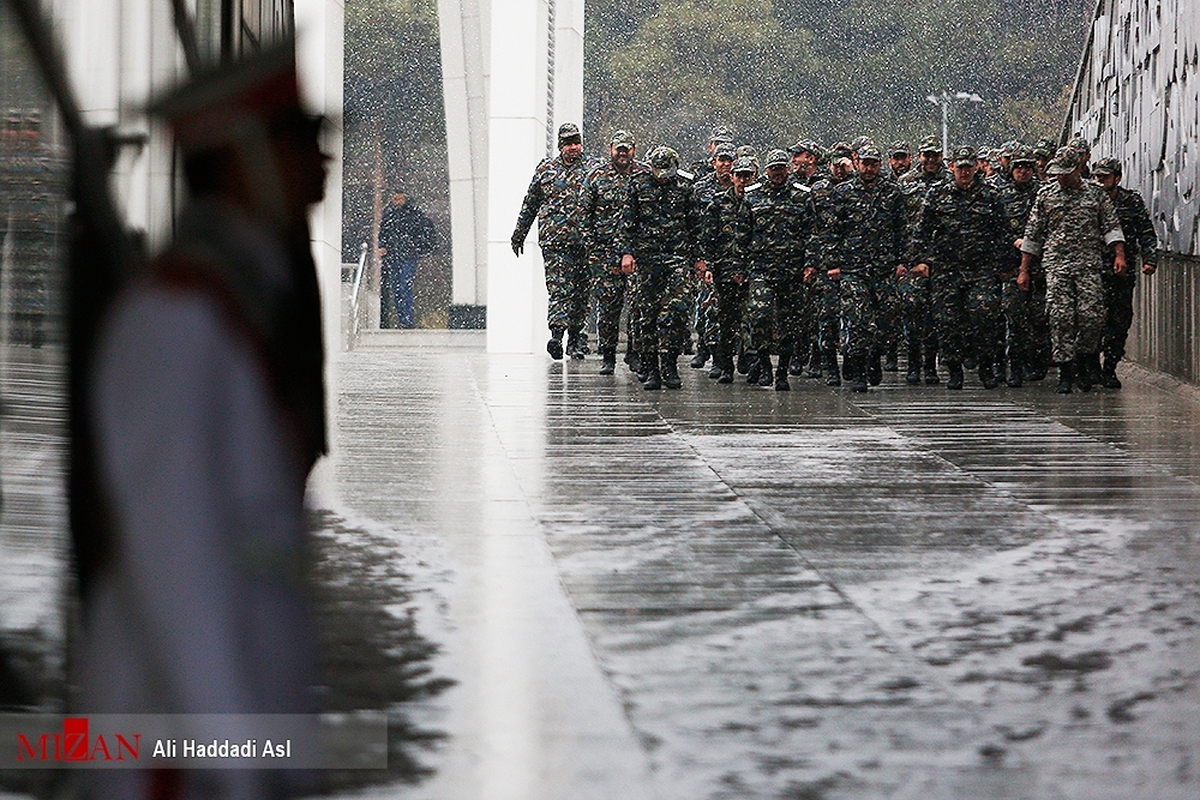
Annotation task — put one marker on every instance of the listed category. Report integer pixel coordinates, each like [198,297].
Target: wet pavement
[732,592]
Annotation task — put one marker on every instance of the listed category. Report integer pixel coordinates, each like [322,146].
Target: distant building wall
[1137,97]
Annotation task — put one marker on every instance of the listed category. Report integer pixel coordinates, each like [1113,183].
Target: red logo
[75,744]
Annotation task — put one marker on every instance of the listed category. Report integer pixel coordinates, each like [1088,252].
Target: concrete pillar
[525,112]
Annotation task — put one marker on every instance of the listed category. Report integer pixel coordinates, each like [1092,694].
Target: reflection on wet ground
[913,593]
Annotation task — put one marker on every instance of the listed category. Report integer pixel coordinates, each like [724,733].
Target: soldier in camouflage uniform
[1043,151]
[1024,311]
[899,159]
[863,246]
[958,242]
[720,135]
[603,204]
[706,188]
[1141,243]
[913,286]
[555,199]
[726,268]
[1071,223]
[774,226]
[659,238]
[825,291]
[805,155]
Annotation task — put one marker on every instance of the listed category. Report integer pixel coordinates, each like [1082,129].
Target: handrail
[358,309]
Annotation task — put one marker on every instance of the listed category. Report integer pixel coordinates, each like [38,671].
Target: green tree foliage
[774,70]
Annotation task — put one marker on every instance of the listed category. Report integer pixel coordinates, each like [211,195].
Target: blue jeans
[396,308]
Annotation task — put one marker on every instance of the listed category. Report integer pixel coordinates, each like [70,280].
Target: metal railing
[358,307]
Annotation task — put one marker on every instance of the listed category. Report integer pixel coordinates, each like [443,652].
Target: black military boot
[796,363]
[645,362]
[573,346]
[670,371]
[724,361]
[714,371]
[653,377]
[891,362]
[633,361]
[701,358]
[1066,376]
[608,361]
[931,376]
[913,376]
[1083,373]
[765,372]
[814,362]
[753,367]
[987,373]
[829,368]
[873,369]
[781,372]
[745,361]
[554,347]
[857,372]
[1016,373]
[1108,374]
[581,343]
[955,369]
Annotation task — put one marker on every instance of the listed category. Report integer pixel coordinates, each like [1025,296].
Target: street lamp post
[944,100]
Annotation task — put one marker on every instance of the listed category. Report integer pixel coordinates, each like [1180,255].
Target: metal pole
[945,124]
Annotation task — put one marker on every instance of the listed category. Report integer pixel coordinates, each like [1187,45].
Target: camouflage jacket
[555,198]
[822,214]
[660,220]
[1071,226]
[708,187]
[915,184]
[721,245]
[960,229]
[1018,200]
[1141,240]
[774,224]
[604,202]
[869,230]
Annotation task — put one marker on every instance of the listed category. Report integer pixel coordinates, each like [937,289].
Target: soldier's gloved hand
[518,245]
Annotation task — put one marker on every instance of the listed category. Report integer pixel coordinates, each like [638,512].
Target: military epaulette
[687,176]
[754,187]
[801,187]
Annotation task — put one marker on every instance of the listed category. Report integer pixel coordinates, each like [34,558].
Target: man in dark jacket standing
[405,234]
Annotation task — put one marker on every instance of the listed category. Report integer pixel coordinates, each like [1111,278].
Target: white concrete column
[568,66]
[465,45]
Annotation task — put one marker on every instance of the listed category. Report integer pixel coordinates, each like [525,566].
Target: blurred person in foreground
[207,407]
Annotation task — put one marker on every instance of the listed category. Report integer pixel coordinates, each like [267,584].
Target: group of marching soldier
[1007,261]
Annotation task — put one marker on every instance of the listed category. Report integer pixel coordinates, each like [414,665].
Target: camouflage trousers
[1025,313]
[664,293]
[707,333]
[915,301]
[1075,310]
[567,283]
[731,313]
[1118,304]
[967,314]
[868,308]
[610,287]
[774,308]
[826,310]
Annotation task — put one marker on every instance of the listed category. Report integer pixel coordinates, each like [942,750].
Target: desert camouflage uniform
[867,239]
[1069,228]
[660,227]
[1141,244]
[604,202]
[959,234]
[555,199]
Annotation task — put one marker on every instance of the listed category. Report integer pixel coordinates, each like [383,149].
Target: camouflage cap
[869,152]
[1079,145]
[816,149]
[664,162]
[862,141]
[721,134]
[1107,166]
[930,144]
[965,156]
[1007,149]
[724,150]
[746,150]
[1065,160]
[900,148]
[1022,156]
[801,146]
[776,158]
[1044,148]
[986,153]
[568,132]
[840,150]
[622,139]
[745,164]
